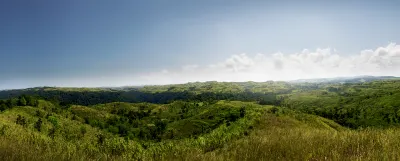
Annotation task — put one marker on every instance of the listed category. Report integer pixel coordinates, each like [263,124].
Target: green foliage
[352,105]
[209,92]
[40,113]
[83,130]
[12,102]
[22,101]
[21,120]
[242,112]
[38,125]
[52,132]
[31,101]
[286,138]
[3,107]
[3,130]
[54,121]
[157,131]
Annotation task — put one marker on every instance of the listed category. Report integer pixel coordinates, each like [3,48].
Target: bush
[83,130]
[53,120]
[38,125]
[21,120]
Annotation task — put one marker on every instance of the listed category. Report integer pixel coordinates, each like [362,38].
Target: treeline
[23,100]
[86,98]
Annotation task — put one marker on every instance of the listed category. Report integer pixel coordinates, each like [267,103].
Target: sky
[96,43]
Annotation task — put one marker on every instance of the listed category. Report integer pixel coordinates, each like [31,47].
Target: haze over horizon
[108,43]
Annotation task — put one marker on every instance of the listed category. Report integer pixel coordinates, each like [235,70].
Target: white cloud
[280,66]
[238,62]
[190,67]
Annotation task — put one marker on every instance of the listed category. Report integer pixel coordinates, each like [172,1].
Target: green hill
[308,121]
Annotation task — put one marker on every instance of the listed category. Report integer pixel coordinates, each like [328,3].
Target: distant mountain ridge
[355,79]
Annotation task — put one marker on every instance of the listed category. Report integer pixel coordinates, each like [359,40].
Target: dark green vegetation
[204,121]
[209,92]
[358,105]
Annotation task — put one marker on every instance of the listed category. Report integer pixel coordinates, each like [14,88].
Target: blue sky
[134,42]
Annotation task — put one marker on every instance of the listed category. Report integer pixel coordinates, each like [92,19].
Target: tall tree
[22,101]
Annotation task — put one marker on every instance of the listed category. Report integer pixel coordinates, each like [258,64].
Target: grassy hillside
[286,138]
[105,132]
[265,133]
[373,104]
[213,121]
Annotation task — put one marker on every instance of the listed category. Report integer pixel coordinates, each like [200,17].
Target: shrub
[38,125]
[21,120]
[53,120]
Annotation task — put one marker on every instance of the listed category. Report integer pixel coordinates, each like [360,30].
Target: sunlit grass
[267,133]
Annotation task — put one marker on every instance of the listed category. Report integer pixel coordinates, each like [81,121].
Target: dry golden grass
[279,138]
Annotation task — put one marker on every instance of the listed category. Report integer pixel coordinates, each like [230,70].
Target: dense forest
[333,120]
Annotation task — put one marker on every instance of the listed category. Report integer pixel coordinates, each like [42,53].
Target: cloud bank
[280,66]
[320,63]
